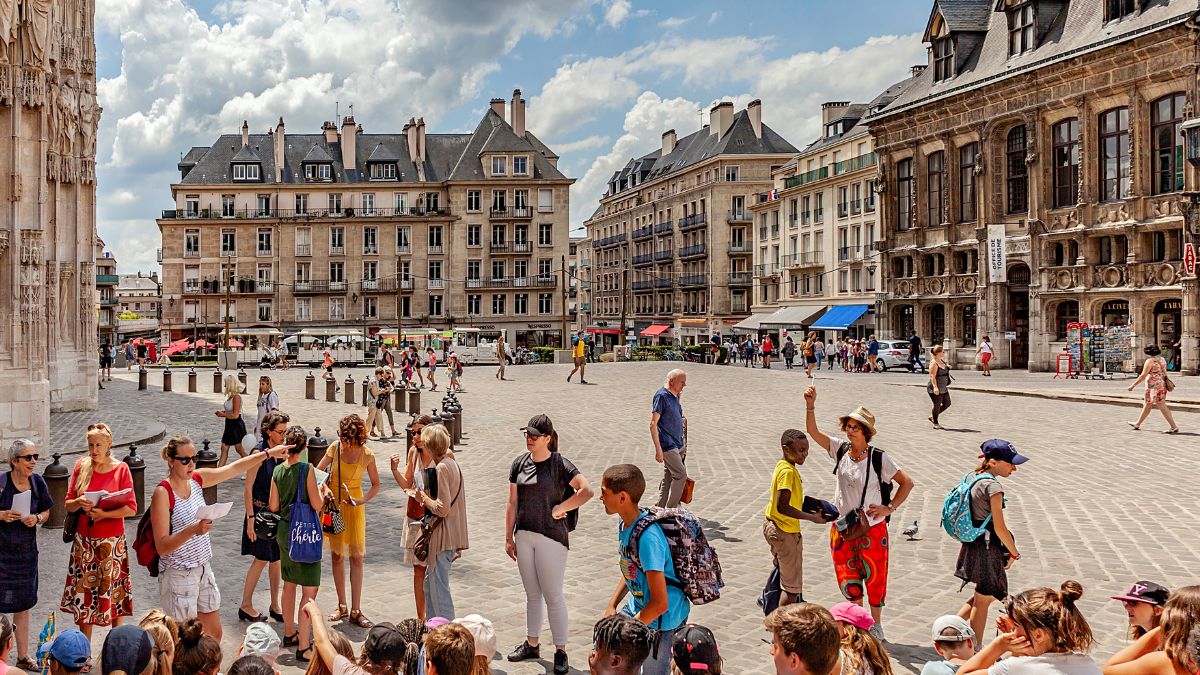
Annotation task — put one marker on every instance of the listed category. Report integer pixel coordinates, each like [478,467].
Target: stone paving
[1098,502]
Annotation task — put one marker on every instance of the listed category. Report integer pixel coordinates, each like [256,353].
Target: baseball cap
[1147,592]
[70,648]
[485,634]
[952,628]
[540,425]
[261,640]
[384,643]
[695,648]
[996,448]
[436,622]
[127,649]
[848,612]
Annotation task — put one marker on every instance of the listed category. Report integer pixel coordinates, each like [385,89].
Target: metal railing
[692,251]
[740,248]
[643,259]
[643,232]
[304,249]
[740,278]
[694,220]
[854,163]
[806,177]
[337,250]
[694,280]
[737,216]
[664,254]
[663,227]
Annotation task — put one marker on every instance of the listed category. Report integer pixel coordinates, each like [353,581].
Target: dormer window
[943,59]
[1021,28]
[383,171]
[318,173]
[499,166]
[835,128]
[520,165]
[1118,9]
[242,172]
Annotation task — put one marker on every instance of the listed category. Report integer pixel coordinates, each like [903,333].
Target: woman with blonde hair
[414,478]
[235,427]
[165,633]
[861,653]
[449,540]
[98,590]
[1044,633]
[1163,650]
[18,540]
[347,460]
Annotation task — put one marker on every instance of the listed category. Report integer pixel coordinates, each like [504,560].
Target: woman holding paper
[98,591]
[181,521]
[25,503]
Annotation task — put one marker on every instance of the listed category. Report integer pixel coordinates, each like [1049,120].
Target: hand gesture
[279,451]
[510,547]
[30,521]
[202,526]
[395,460]
[250,534]
[810,396]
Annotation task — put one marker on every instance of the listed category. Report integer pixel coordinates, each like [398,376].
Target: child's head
[805,639]
[485,642]
[695,651]
[1050,619]
[196,653]
[621,483]
[794,445]
[619,646]
[383,650]
[449,650]
[953,637]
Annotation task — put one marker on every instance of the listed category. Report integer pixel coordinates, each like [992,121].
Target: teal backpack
[956,510]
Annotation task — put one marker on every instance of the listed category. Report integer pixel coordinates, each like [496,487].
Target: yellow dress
[353,540]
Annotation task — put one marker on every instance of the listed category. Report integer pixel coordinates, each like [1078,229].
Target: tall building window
[498,303]
[435,305]
[473,200]
[474,236]
[473,303]
[936,171]
[521,303]
[904,193]
[1166,116]
[1114,154]
[968,159]
[1117,9]
[1066,162]
[943,59]
[1020,28]
[1017,173]
[545,303]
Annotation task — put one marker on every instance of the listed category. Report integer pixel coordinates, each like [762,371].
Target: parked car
[893,354]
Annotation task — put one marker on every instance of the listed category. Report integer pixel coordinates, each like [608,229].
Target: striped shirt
[197,550]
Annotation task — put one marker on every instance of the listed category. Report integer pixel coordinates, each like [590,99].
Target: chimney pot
[668,142]
[517,113]
[498,107]
[918,69]
[245,133]
[720,118]
[349,145]
[754,112]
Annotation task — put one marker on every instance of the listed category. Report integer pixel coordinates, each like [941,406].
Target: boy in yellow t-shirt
[577,351]
[781,528]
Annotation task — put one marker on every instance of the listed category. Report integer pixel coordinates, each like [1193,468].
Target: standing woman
[939,386]
[187,587]
[861,564]
[235,427]
[98,590]
[984,352]
[419,465]
[18,542]
[501,356]
[349,459]
[372,402]
[268,400]
[536,530]
[454,367]
[985,561]
[257,495]
[449,540]
[432,359]
[1154,372]
[285,487]
[389,379]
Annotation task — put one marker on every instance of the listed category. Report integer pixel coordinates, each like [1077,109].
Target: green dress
[286,480]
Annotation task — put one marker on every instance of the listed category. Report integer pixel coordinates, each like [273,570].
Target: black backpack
[568,492]
[885,489]
[769,600]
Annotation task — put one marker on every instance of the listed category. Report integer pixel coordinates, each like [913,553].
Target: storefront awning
[603,331]
[655,330]
[795,316]
[839,317]
[752,322]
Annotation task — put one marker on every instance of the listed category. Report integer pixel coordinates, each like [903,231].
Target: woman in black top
[257,495]
[939,384]
[536,524]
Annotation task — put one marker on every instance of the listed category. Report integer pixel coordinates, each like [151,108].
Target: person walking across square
[668,431]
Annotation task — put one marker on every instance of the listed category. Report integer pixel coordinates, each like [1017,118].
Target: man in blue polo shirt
[668,430]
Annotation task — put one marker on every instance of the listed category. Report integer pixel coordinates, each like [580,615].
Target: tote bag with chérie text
[304,536]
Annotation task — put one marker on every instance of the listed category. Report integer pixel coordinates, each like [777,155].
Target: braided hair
[623,636]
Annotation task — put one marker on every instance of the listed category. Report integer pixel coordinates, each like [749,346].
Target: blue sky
[603,78]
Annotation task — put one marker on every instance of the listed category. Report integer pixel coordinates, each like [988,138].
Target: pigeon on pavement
[910,531]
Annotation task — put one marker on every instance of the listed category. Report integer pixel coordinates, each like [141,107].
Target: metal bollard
[207,458]
[57,476]
[365,388]
[414,401]
[242,377]
[349,389]
[400,399]
[330,391]
[137,468]
[310,387]
[317,445]
[167,378]
[141,378]
[192,381]
[447,420]
[217,381]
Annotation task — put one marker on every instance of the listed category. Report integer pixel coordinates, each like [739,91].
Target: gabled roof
[246,155]
[1078,28]
[960,16]
[493,134]
[318,154]
[382,153]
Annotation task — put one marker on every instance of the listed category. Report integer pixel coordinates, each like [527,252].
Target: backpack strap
[4,480]
[170,505]
[841,452]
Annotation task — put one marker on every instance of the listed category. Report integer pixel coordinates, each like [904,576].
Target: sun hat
[848,612]
[862,415]
[485,634]
[1147,592]
[952,628]
[261,640]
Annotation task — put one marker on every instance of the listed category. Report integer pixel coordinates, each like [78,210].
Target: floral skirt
[98,589]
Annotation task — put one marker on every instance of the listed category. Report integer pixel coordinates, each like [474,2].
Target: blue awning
[839,317]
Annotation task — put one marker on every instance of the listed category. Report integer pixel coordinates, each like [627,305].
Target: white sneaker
[877,631]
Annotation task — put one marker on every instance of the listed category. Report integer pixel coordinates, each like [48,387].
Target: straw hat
[861,415]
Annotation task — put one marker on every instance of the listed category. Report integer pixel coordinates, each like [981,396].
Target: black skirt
[981,562]
[235,431]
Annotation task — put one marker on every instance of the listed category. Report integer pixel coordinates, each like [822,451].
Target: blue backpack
[956,510]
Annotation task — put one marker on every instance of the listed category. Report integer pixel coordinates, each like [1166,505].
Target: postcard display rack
[1099,351]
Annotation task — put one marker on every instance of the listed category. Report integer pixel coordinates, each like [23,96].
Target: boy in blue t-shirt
[655,597]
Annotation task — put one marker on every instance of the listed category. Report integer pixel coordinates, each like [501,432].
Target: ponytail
[553,442]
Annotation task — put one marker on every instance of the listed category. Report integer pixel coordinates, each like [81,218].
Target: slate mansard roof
[447,156]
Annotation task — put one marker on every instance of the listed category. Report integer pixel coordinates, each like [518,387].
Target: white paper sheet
[22,502]
[213,511]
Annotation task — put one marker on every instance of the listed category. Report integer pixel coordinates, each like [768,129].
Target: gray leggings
[543,564]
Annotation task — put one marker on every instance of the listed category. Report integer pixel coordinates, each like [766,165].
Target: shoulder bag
[304,536]
[416,509]
[432,522]
[857,522]
[331,515]
[1168,383]
[71,524]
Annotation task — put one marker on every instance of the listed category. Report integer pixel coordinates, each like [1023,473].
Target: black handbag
[71,526]
[266,524]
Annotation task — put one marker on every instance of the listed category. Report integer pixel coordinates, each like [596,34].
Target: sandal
[340,614]
[1134,426]
[27,663]
[291,640]
[304,655]
[1172,431]
[359,619]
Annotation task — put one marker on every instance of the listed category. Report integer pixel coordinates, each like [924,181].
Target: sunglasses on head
[98,425]
[184,460]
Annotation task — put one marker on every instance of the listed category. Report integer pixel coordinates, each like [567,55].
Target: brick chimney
[410,135]
[331,132]
[517,113]
[832,110]
[280,141]
[498,107]
[720,118]
[349,145]
[668,142]
[245,133]
[754,112]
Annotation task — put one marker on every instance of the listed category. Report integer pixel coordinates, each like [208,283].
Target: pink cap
[848,612]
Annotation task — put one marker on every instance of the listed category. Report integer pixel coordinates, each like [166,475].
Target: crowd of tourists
[294,511]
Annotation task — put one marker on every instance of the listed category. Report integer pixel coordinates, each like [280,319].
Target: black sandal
[304,655]
[291,640]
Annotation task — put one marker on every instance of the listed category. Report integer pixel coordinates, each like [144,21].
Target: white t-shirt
[985,347]
[850,476]
[1046,664]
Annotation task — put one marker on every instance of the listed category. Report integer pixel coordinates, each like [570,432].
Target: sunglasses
[532,436]
[184,460]
[29,458]
[98,425]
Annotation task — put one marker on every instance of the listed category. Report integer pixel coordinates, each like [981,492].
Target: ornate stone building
[48,119]
[1058,124]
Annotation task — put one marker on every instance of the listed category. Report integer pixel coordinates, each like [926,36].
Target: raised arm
[210,477]
[810,419]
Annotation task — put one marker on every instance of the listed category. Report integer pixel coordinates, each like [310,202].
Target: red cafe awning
[655,330]
[603,331]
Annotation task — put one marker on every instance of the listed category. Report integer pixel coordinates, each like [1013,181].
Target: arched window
[968,325]
[1066,312]
[1017,172]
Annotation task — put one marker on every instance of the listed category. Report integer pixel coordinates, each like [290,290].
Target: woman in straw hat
[865,478]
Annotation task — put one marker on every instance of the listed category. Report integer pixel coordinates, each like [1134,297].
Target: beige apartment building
[345,229]
[672,236]
[816,234]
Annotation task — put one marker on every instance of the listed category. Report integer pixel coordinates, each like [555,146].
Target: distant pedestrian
[577,355]
[1143,604]
[768,350]
[327,363]
[872,354]
[129,355]
[1154,373]
[914,353]
[789,351]
[414,358]
[106,362]
[985,352]
[373,402]
[231,412]
[809,349]
[819,352]
[831,353]
[781,525]
[668,432]
[140,347]
[281,353]
[501,356]
[938,386]
[431,359]
[268,400]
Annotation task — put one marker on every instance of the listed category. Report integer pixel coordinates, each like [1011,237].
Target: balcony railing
[740,247]
[693,221]
[664,254]
[642,285]
[662,283]
[263,252]
[191,285]
[643,232]
[663,227]
[435,283]
[521,212]
[739,216]
[844,253]
[370,250]
[693,251]
[643,259]
[806,178]
[854,163]
[694,280]
[766,270]
[264,287]
[304,249]
[436,248]
[318,286]
[103,279]
[337,250]
[403,248]
[191,253]
[374,212]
